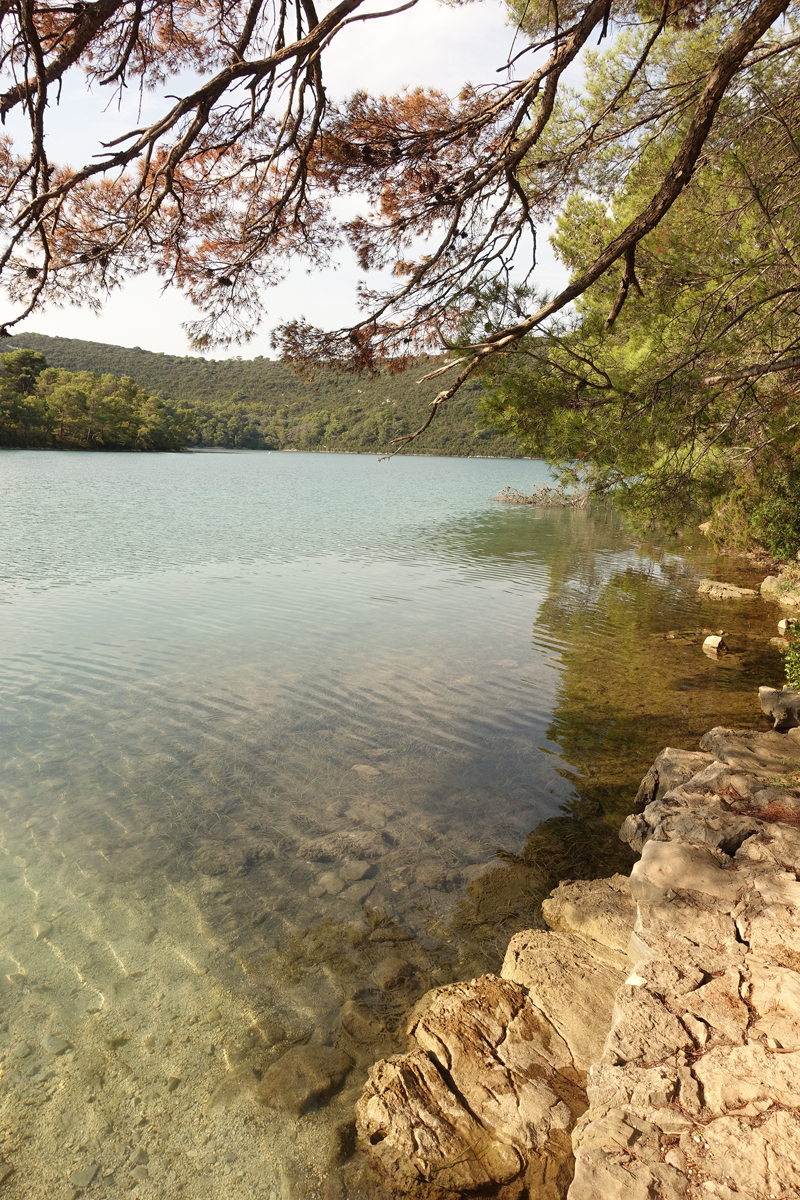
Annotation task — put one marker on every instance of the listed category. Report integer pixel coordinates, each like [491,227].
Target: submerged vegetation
[258,404]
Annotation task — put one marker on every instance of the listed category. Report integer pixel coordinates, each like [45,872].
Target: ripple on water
[266,722]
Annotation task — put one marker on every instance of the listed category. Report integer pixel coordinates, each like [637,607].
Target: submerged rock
[303,1078]
[346,844]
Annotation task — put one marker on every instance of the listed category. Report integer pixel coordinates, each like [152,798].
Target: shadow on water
[633,680]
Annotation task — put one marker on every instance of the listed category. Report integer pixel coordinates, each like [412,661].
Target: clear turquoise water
[196,651]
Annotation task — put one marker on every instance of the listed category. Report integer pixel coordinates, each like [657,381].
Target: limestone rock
[746,750]
[643,1029]
[617,1158]
[390,971]
[634,831]
[600,909]
[770,586]
[689,814]
[775,844]
[687,936]
[303,1078]
[725,591]
[330,882]
[419,1134]
[758,1160]
[505,1059]
[774,993]
[734,1077]
[616,1085]
[666,867]
[490,1105]
[783,706]
[357,893]
[671,768]
[353,870]
[572,986]
[714,645]
[718,1003]
[239,1085]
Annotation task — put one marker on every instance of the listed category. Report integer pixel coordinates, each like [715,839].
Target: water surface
[266,721]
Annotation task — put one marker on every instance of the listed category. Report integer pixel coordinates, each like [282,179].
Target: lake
[286,740]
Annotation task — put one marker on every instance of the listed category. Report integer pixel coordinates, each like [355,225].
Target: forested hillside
[46,406]
[260,404]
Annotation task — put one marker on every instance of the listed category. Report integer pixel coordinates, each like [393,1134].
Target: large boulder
[671,768]
[488,1102]
[783,706]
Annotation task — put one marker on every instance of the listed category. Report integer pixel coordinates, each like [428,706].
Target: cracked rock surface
[653,1033]
[488,1101]
[698,1088]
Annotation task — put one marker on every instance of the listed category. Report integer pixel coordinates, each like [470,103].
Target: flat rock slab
[643,1030]
[733,1078]
[760,753]
[572,986]
[757,1158]
[617,1158]
[666,868]
[600,909]
[725,591]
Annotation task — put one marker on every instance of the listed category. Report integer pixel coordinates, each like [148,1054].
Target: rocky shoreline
[646,1045]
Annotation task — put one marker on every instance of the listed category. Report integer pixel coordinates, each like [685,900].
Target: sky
[434,45]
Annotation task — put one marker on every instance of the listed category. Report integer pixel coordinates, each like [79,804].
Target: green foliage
[48,406]
[776,516]
[259,404]
[793,664]
[761,513]
[659,388]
